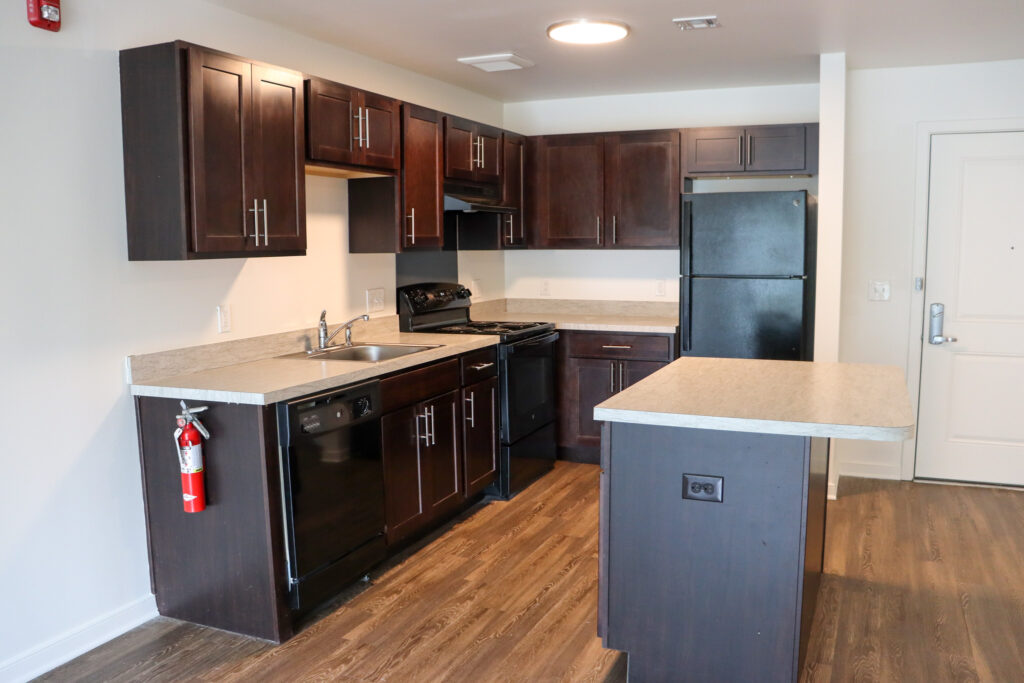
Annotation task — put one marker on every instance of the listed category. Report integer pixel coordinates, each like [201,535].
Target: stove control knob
[361,406]
[463,293]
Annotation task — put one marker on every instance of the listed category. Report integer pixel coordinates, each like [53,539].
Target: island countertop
[835,400]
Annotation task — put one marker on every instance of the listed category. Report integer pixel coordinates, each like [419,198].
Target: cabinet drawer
[632,346]
[479,365]
[419,385]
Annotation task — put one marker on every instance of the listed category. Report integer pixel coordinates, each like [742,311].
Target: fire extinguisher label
[191,459]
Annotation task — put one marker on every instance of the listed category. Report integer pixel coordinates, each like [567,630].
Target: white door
[971,421]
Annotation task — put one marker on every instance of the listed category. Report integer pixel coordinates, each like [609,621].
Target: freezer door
[744,233]
[742,318]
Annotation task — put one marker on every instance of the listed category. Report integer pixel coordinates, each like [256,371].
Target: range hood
[474,199]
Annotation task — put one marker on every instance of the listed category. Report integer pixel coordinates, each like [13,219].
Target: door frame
[915,348]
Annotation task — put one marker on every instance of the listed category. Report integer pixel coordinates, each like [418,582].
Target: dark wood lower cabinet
[480,427]
[440,449]
[405,503]
[593,367]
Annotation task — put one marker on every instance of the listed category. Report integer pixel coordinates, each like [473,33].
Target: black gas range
[526,376]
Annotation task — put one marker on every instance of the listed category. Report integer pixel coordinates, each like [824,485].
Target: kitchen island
[713,489]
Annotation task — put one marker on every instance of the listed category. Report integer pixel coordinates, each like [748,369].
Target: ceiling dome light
[588,31]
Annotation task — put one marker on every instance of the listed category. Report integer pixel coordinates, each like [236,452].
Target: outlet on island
[702,487]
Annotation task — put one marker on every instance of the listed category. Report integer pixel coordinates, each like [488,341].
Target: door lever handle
[936,315]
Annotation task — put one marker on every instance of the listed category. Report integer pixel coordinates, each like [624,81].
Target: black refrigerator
[746,287]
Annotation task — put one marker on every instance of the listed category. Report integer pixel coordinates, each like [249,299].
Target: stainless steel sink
[364,353]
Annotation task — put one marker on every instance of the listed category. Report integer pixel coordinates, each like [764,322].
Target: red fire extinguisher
[188,440]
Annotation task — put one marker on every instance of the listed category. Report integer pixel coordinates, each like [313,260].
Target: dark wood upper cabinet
[423,217]
[641,172]
[352,127]
[614,190]
[751,150]
[565,191]
[404,211]
[213,155]
[472,151]
[279,167]
[513,187]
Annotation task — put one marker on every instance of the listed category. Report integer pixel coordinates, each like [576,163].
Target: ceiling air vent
[691,23]
[504,61]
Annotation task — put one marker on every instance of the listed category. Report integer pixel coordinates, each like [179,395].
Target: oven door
[527,386]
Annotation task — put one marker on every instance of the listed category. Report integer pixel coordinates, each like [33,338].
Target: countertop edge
[739,424]
[166,388]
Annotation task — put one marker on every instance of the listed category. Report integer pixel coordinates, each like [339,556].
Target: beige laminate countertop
[596,322]
[270,380]
[835,400]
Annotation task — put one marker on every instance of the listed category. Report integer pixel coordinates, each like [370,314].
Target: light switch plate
[375,300]
[224,318]
[878,290]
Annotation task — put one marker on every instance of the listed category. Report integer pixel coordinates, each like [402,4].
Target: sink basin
[364,353]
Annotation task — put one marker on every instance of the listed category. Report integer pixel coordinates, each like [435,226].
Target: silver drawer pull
[616,346]
[471,418]
[481,366]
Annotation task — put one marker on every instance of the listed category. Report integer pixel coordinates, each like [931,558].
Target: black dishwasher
[332,490]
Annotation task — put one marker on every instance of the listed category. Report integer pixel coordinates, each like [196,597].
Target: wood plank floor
[924,583]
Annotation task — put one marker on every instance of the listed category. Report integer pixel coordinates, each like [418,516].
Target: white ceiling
[761,42]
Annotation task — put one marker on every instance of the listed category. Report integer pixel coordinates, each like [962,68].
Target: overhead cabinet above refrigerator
[747,275]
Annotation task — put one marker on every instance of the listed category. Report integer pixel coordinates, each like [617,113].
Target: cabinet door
[381,133]
[220,102]
[333,125]
[405,510]
[277,159]
[480,432]
[589,381]
[642,189]
[566,191]
[513,169]
[422,180]
[714,150]
[460,149]
[488,139]
[441,457]
[776,148]
[632,371]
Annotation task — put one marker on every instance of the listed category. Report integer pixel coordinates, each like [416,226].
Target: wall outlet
[224,318]
[660,288]
[545,288]
[375,300]
[878,290]
[703,487]
[474,286]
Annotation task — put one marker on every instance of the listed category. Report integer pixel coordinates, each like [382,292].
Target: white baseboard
[76,641]
[869,470]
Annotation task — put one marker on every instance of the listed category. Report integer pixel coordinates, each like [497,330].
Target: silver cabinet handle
[613,228]
[472,410]
[426,426]
[256,220]
[472,151]
[611,378]
[482,162]
[599,230]
[412,232]
[481,366]
[616,346]
[433,428]
[739,143]
[366,120]
[935,322]
[266,235]
[621,386]
[511,229]
[359,117]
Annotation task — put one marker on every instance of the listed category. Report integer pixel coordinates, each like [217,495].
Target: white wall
[634,275]
[484,273]
[884,108]
[73,565]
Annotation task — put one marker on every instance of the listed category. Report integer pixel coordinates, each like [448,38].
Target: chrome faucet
[325,338]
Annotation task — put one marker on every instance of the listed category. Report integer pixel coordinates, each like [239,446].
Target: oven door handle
[530,343]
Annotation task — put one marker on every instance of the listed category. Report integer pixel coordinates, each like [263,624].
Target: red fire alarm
[44,14]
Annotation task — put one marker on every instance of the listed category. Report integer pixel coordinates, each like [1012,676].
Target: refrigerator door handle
[686,240]
[685,314]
